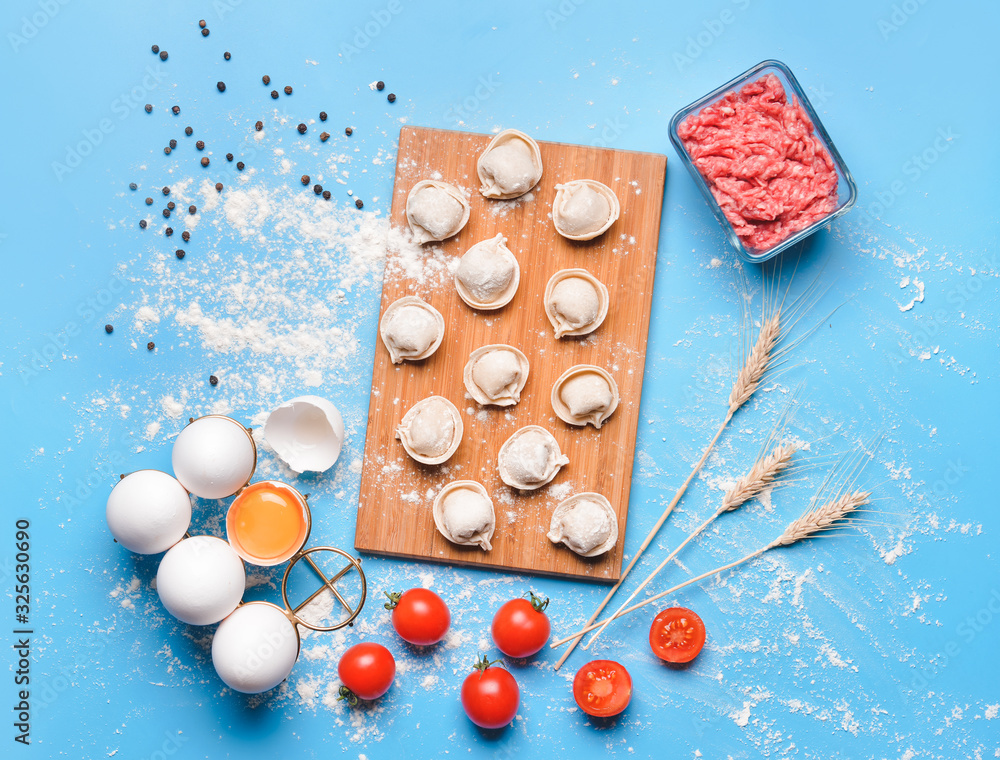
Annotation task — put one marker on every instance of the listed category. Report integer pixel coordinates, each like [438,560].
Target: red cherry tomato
[490,695]
[677,635]
[367,671]
[419,616]
[521,627]
[602,688]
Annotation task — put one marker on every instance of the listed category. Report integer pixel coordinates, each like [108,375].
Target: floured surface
[394,512]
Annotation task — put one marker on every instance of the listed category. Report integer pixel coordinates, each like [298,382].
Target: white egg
[201,580]
[307,433]
[255,648]
[214,457]
[148,511]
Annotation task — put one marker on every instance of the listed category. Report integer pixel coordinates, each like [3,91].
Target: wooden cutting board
[394,513]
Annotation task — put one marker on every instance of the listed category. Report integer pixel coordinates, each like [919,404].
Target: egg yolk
[267,521]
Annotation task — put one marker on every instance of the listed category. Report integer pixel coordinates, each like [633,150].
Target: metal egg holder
[201,579]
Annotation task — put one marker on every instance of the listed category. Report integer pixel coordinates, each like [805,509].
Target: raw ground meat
[767,170]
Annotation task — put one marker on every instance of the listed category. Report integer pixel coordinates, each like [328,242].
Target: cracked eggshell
[435,211]
[510,166]
[306,433]
[411,329]
[431,430]
[584,209]
[586,523]
[148,511]
[465,507]
[584,395]
[214,457]
[488,275]
[255,648]
[201,580]
[496,375]
[576,302]
[530,458]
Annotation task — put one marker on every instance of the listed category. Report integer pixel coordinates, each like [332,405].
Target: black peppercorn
[226,55]
[167,150]
[171,205]
[229,156]
[188,131]
[380,85]
[163,55]
[132,186]
[266,79]
[322,115]
[205,161]
[288,89]
[305,179]
[142,224]
[391,97]
[326,195]
[185,236]
[259,126]
[302,129]
[318,189]
[348,131]
[168,231]
[274,94]
[221,86]
[149,201]
[192,209]
[359,203]
[150,346]
[324,137]
[240,165]
[109,329]
[202,23]
[166,191]
[213,380]
[173,144]
[155,49]
[179,253]
[218,187]
[200,145]
[166,213]
[204,32]
[149,108]
[176,110]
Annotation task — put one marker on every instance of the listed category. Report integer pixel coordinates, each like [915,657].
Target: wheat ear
[829,515]
[760,476]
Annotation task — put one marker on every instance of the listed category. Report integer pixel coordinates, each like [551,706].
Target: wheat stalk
[760,476]
[758,361]
[831,514]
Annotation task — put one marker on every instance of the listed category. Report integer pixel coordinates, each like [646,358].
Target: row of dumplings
[510,167]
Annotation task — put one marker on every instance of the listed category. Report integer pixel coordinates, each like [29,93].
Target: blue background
[878,644]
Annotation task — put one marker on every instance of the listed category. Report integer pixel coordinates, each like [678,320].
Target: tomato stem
[483,662]
[350,696]
[537,603]
[393,599]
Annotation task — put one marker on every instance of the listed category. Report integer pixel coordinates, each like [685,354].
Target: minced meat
[768,171]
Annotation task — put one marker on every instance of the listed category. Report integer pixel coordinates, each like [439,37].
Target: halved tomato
[677,635]
[602,688]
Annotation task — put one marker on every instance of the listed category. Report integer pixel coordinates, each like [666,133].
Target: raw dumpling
[584,208]
[530,458]
[496,375]
[488,275]
[435,211]
[510,166]
[576,302]
[586,523]
[431,430]
[411,329]
[463,513]
[585,394]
